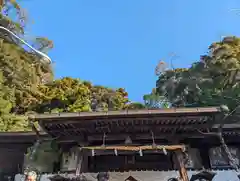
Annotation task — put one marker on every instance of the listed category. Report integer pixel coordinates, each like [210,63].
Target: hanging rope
[137,148]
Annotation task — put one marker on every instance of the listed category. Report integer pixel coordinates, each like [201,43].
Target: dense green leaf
[212,81]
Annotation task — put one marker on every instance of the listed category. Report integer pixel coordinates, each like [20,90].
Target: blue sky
[117,43]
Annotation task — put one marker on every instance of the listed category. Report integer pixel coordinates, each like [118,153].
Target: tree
[22,90]
[14,18]
[8,120]
[135,106]
[21,71]
[27,84]
[212,81]
[73,95]
[9,7]
[154,100]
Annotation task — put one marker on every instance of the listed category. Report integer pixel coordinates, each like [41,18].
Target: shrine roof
[126,113]
[129,121]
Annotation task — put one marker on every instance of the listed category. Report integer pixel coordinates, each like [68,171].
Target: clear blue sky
[117,43]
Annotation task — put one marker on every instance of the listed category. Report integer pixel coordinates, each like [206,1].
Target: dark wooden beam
[133,126]
[140,136]
[20,139]
[143,136]
[142,129]
[76,120]
[228,126]
[121,137]
[14,147]
[129,128]
[73,139]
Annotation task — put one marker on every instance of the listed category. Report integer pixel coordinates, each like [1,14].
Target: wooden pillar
[84,166]
[179,160]
[180,165]
[82,162]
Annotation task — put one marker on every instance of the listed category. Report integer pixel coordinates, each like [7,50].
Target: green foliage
[154,100]
[11,122]
[14,18]
[20,71]
[136,105]
[10,8]
[212,81]
[73,95]
[22,90]
[20,75]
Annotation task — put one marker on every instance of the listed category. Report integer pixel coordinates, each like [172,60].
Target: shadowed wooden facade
[101,141]
[90,127]
[13,146]
[176,126]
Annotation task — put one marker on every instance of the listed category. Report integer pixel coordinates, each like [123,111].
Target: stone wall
[146,176]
